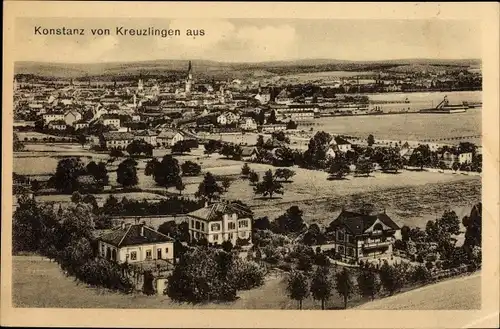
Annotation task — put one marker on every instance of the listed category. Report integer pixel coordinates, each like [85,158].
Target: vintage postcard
[250,165]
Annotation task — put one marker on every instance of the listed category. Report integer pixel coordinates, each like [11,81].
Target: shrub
[246,274]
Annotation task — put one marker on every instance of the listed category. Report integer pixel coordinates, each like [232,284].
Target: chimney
[142,229]
[206,204]
[123,225]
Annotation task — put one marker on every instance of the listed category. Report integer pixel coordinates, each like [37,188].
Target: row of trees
[367,281]
[69,174]
[66,237]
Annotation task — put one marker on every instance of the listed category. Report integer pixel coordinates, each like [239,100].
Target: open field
[411,197]
[463,293]
[54,290]
[33,134]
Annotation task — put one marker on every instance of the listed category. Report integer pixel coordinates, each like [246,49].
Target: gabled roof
[117,135]
[130,235]
[215,211]
[358,223]
[57,123]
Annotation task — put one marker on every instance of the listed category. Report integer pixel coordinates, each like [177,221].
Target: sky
[251,40]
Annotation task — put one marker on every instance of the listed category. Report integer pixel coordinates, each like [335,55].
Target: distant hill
[212,69]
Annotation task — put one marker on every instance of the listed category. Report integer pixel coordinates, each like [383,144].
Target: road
[462,293]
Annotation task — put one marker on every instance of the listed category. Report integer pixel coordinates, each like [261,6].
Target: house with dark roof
[363,234]
[221,221]
[134,243]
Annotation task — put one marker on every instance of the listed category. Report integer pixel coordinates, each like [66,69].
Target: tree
[368,283]
[67,172]
[212,146]
[151,166]
[313,236]
[179,186]
[316,154]
[280,136]
[181,147]
[344,285]
[116,153]
[269,185]
[405,233]
[82,139]
[253,177]
[272,118]
[245,170]
[391,160]
[99,172]
[138,147]
[370,140]
[298,287]
[261,223]
[291,125]
[209,189]
[321,286]
[364,167]
[167,172]
[339,167]
[202,275]
[260,141]
[449,223]
[391,280]
[168,228]
[126,173]
[473,224]
[226,183]
[421,156]
[76,197]
[17,144]
[190,168]
[227,246]
[290,221]
[284,173]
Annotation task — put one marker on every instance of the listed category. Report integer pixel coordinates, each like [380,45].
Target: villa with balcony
[363,235]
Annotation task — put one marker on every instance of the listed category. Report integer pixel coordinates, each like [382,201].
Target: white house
[80,124]
[222,119]
[53,116]
[134,243]
[71,117]
[248,124]
[147,136]
[115,139]
[221,221]
[168,138]
[110,120]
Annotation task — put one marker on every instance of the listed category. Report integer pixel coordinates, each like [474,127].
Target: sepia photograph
[213,163]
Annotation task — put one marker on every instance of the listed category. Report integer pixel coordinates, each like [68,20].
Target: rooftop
[134,234]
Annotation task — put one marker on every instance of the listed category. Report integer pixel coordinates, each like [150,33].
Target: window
[231,226]
[243,235]
[203,226]
[133,255]
[215,227]
[230,236]
[158,253]
[148,254]
[192,223]
[340,236]
[341,249]
[350,252]
[350,238]
[197,225]
[216,237]
[243,223]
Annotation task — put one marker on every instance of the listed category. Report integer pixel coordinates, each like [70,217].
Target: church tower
[140,85]
[189,79]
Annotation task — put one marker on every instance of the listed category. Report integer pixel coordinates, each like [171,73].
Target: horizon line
[254,62]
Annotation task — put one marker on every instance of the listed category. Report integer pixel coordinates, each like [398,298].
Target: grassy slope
[40,283]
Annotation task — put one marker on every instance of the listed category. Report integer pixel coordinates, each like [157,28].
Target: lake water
[411,126]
